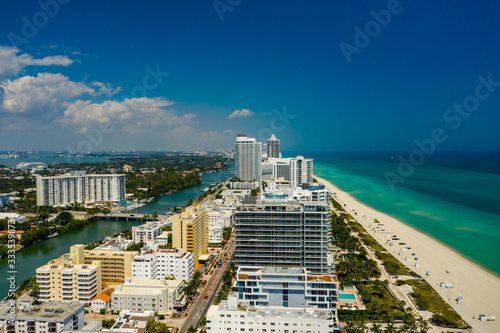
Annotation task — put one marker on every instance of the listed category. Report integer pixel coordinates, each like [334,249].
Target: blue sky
[83,74]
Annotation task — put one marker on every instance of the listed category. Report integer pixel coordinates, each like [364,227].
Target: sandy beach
[480,289]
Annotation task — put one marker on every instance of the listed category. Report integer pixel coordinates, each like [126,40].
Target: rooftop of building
[283,270]
[48,311]
[139,286]
[151,225]
[105,295]
[66,265]
[244,271]
[273,311]
[114,244]
[71,175]
[287,205]
[114,253]
[164,234]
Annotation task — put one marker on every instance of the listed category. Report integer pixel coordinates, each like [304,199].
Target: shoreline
[479,287]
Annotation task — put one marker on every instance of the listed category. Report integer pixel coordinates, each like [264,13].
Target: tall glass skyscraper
[283,233]
[248,158]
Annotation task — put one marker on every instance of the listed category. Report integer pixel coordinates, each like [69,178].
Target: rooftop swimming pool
[347,296]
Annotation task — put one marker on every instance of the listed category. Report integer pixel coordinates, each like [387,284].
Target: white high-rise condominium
[297,170]
[301,171]
[248,157]
[79,187]
[273,147]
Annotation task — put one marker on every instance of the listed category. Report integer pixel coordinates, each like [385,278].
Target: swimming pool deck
[352,304]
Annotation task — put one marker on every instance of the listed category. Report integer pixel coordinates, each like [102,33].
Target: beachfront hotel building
[164,263]
[79,187]
[273,147]
[61,280]
[49,317]
[189,231]
[301,171]
[283,233]
[248,158]
[116,266]
[297,170]
[236,315]
[147,295]
[286,286]
[302,193]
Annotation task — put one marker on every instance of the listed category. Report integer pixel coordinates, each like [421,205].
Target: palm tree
[122,228]
[423,325]
[362,324]
[390,326]
[413,327]
[376,328]
[105,233]
[350,327]
[113,231]
[404,328]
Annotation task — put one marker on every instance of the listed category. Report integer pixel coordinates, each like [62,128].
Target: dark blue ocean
[453,197]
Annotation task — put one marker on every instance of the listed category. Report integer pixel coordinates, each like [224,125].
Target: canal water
[34,256]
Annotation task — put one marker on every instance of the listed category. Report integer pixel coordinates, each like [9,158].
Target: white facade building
[147,231]
[248,159]
[298,170]
[296,193]
[32,166]
[164,263]
[162,239]
[301,171]
[287,287]
[147,295]
[237,316]
[79,187]
[50,317]
[216,223]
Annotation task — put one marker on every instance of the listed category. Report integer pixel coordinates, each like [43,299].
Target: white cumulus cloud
[45,93]
[132,114]
[241,113]
[12,63]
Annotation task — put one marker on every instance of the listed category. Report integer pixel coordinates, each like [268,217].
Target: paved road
[200,305]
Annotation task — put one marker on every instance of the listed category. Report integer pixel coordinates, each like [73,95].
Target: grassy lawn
[428,299]
[377,298]
[371,242]
[356,227]
[336,204]
[392,264]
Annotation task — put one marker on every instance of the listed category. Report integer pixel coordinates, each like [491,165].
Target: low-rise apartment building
[237,316]
[147,231]
[286,286]
[64,281]
[147,295]
[49,317]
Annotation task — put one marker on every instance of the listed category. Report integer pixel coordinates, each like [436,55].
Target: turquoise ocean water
[455,198]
